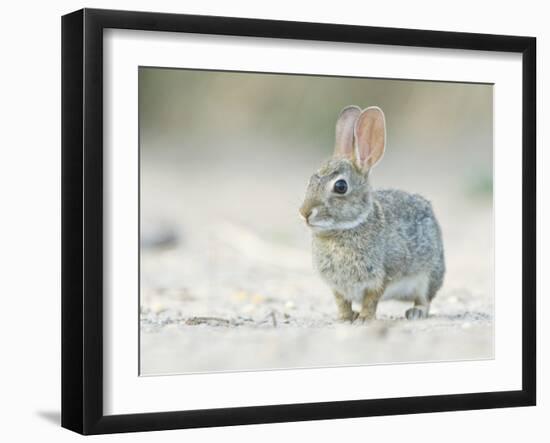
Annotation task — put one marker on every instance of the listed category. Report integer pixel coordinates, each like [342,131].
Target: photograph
[280,220]
[292,221]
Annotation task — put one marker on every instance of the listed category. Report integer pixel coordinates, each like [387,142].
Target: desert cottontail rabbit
[367,243]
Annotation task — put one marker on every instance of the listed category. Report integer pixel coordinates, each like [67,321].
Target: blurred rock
[158,235]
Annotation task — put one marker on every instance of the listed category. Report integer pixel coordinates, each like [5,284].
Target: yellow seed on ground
[240,295]
[258,298]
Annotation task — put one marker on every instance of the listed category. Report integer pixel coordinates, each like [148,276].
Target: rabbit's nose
[305,212]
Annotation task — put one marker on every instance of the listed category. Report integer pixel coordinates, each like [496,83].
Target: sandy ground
[229,288]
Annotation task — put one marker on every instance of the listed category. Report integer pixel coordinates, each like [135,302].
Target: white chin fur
[323,225]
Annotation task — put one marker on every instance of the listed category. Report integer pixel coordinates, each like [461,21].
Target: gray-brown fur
[367,243]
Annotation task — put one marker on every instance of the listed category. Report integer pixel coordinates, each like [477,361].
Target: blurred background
[226,275]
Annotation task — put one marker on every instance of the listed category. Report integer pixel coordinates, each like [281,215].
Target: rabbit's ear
[370,137]
[343,146]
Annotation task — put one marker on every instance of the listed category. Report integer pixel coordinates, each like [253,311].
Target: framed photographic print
[268,221]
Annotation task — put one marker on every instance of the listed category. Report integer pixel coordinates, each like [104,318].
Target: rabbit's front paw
[368,308]
[345,312]
[366,317]
[348,317]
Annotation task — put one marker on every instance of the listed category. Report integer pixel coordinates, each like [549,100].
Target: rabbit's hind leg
[412,288]
[421,308]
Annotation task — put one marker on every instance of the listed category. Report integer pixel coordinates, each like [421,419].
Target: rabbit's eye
[340,186]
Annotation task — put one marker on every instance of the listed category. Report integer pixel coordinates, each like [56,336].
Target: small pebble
[157,307]
[290,304]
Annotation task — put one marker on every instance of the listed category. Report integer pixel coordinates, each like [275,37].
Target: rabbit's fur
[367,243]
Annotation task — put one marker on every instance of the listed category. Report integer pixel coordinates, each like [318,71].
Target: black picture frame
[82,220]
